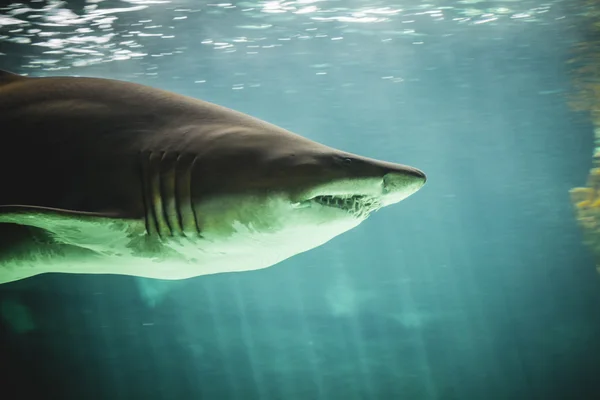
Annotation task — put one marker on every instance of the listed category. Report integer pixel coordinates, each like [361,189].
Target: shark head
[276,194]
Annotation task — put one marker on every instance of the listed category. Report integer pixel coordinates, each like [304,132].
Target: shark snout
[402,182]
[413,173]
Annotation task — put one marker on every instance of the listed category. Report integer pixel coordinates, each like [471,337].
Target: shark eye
[346,160]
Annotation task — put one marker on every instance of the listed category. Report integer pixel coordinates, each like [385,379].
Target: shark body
[105,176]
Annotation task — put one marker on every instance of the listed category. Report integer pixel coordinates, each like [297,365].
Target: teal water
[476,287]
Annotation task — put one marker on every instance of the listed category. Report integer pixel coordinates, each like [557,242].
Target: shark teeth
[358,205]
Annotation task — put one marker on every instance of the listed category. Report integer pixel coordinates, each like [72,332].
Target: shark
[102,176]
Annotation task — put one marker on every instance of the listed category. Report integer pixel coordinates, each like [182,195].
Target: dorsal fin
[8,77]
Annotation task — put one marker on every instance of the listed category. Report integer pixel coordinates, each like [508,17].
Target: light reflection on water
[104,31]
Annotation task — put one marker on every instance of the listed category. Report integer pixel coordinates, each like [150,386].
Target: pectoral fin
[104,233]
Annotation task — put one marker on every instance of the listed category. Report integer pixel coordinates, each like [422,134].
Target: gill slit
[145,174]
[178,202]
[183,195]
[194,212]
[156,190]
[169,178]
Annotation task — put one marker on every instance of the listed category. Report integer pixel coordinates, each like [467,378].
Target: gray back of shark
[105,176]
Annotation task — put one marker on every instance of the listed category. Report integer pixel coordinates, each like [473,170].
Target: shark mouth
[358,205]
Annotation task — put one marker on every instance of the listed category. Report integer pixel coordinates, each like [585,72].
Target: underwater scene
[405,203]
